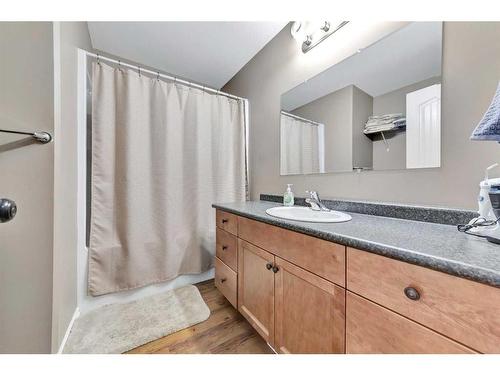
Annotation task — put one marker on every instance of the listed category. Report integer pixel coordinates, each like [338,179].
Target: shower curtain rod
[158,74]
[300,118]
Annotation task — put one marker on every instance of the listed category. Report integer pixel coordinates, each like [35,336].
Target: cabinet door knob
[224,221]
[275,269]
[412,293]
[269,266]
[223,280]
[224,248]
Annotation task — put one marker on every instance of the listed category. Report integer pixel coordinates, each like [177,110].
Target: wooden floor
[225,331]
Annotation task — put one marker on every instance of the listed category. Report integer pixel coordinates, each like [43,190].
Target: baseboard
[75,316]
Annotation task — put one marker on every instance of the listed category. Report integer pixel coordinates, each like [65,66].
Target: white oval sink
[307,214]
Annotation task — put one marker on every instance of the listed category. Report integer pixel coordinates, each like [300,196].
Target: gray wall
[471,70]
[69,37]
[26,170]
[335,112]
[362,146]
[344,113]
[394,102]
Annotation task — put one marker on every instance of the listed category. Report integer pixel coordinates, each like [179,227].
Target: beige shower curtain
[162,153]
[300,148]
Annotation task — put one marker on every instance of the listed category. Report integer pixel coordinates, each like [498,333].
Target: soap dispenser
[288,199]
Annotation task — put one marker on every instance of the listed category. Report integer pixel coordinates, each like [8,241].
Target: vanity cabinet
[294,310]
[287,294]
[306,295]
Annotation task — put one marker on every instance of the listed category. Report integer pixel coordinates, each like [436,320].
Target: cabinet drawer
[373,329]
[226,281]
[323,258]
[227,221]
[461,309]
[227,248]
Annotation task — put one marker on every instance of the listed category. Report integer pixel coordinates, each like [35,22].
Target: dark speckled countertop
[437,246]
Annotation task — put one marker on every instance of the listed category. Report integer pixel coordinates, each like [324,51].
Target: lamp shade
[488,128]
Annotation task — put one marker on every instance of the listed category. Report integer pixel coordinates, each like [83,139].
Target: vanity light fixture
[310,34]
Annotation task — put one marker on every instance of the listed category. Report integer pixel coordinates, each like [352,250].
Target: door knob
[8,210]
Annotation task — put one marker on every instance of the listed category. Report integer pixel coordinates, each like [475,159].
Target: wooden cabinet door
[310,312]
[256,288]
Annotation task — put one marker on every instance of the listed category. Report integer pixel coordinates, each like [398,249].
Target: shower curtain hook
[158,76]
[98,60]
[119,65]
[139,70]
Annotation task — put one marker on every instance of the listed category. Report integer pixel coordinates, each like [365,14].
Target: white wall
[68,36]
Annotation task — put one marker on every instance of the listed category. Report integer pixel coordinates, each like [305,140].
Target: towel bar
[41,136]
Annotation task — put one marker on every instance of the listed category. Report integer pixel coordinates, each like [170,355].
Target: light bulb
[310,33]
[303,31]
[298,31]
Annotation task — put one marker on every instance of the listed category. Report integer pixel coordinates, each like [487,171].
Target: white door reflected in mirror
[423,128]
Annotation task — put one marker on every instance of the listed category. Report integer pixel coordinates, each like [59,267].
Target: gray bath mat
[117,328]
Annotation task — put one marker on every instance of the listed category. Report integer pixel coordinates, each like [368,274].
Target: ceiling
[409,55]
[209,53]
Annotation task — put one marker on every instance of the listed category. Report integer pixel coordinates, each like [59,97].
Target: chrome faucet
[315,202]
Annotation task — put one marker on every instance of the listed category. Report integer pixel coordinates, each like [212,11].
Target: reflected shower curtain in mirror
[300,146]
[162,153]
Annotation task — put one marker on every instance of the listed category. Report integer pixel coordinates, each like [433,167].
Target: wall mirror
[379,109]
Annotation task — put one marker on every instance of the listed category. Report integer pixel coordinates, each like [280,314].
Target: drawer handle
[223,280]
[269,266]
[412,293]
[224,248]
[275,269]
[224,221]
